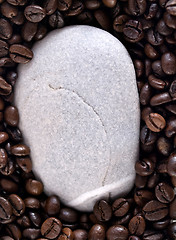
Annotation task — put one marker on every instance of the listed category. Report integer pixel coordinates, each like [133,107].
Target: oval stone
[79,113]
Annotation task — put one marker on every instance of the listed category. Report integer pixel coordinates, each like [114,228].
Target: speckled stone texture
[79,113]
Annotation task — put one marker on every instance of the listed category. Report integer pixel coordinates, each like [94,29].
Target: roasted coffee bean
[117,232]
[103,19]
[9,168]
[164,192]
[151,52]
[170,20]
[76,8]
[162,224]
[50,6]
[102,211]
[14,134]
[28,31]
[141,197]
[171,7]
[5,29]
[123,220]
[109,3]
[154,210]
[11,116]
[172,208]
[140,182]
[5,88]
[3,157]
[24,163]
[32,203]
[66,234]
[137,7]
[172,90]
[171,165]
[20,53]
[3,138]
[147,136]
[85,17]
[154,38]
[137,225]
[51,228]
[41,32]
[35,218]
[56,20]
[4,48]
[31,233]
[133,238]
[64,5]
[139,67]
[171,127]
[164,146]
[148,67]
[34,187]
[157,83]
[144,167]
[6,238]
[8,10]
[133,31]
[34,13]
[14,231]
[160,98]
[157,69]
[97,232]
[6,62]
[80,234]
[152,235]
[151,11]
[19,19]
[17,203]
[168,62]
[8,185]
[145,113]
[5,209]
[17,2]
[52,206]
[155,122]
[153,180]
[120,207]
[163,29]
[145,94]
[11,77]
[119,22]
[2,104]
[68,215]
[92,4]
[20,150]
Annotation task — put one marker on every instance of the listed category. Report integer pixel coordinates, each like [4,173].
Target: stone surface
[79,113]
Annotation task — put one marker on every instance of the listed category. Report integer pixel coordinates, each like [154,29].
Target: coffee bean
[14,231]
[35,218]
[153,235]
[144,167]
[123,220]
[51,228]
[5,209]
[139,67]
[141,197]
[4,48]
[103,19]
[133,238]
[155,122]
[9,168]
[32,203]
[66,234]
[3,138]
[17,2]
[154,38]
[157,83]
[3,157]
[164,192]
[20,150]
[137,225]
[170,20]
[5,88]
[140,182]
[68,215]
[151,11]
[120,207]
[160,98]
[34,13]
[119,22]
[163,29]
[92,4]
[137,7]
[133,31]
[50,6]
[11,116]
[20,53]
[171,7]
[18,205]
[31,233]
[85,17]
[56,20]
[171,127]
[172,208]
[168,62]
[151,52]
[162,224]
[80,234]
[8,185]
[154,210]
[14,134]
[34,187]
[24,163]
[28,31]
[97,232]
[109,3]
[145,94]
[76,8]
[64,5]
[147,136]
[8,10]
[102,211]
[172,89]
[6,238]
[171,165]
[164,146]
[52,205]
[117,232]
[5,29]
[172,230]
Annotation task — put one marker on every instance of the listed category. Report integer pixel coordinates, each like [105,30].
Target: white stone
[79,113]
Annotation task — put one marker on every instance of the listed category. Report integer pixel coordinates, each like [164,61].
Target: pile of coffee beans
[148,29]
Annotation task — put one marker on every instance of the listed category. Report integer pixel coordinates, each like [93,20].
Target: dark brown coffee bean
[34,187]
[109,3]
[9,168]
[32,203]
[164,192]
[119,22]
[80,234]
[76,8]
[172,208]
[14,134]
[163,29]
[170,20]
[31,233]
[117,232]
[133,238]
[35,218]
[137,7]
[5,29]
[137,225]
[4,48]
[139,67]
[151,52]
[11,116]
[34,13]
[162,224]
[140,182]
[19,19]
[145,94]
[92,4]
[151,12]
[66,234]
[171,165]
[28,31]
[155,122]
[172,90]
[17,2]
[52,205]
[14,231]
[18,205]
[120,207]
[97,232]
[154,38]
[50,6]
[51,228]
[16,38]
[152,235]
[3,138]
[144,167]
[123,220]
[6,238]
[102,211]
[172,230]
[171,127]
[85,17]
[3,157]
[24,163]
[5,88]
[20,53]
[164,146]
[171,7]
[147,136]
[41,32]
[5,209]
[157,69]
[56,20]
[157,83]
[64,5]
[11,77]
[8,10]
[133,31]
[6,62]
[20,150]
[168,61]
[141,197]
[160,98]
[171,108]
[68,215]
[8,185]
[154,210]
[103,19]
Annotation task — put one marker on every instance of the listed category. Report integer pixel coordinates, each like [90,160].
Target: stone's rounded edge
[104,192]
